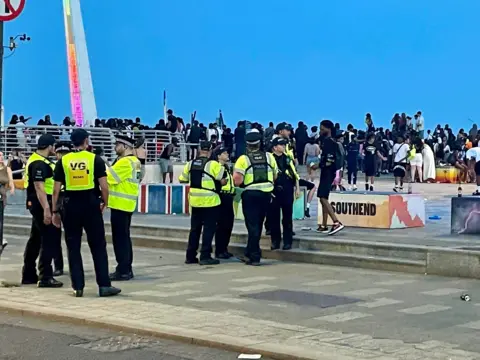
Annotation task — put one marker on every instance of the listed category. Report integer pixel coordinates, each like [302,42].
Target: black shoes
[209,262]
[50,283]
[115,276]
[307,213]
[191,261]
[108,291]
[78,293]
[287,247]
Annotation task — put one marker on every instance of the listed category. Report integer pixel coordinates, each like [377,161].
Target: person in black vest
[226,216]
[286,185]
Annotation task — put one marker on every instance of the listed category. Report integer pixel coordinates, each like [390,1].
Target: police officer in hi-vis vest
[255,172]
[286,185]
[80,172]
[44,236]
[206,178]
[123,178]
[226,217]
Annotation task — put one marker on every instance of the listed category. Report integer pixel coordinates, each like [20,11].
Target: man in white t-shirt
[400,156]
[473,161]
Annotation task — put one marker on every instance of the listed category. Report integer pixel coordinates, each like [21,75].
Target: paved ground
[31,338]
[320,311]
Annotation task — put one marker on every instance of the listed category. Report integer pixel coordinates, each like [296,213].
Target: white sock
[308,205]
[478,188]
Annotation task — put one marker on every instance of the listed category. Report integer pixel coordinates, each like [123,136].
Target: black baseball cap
[45,141]
[283,126]
[78,136]
[218,151]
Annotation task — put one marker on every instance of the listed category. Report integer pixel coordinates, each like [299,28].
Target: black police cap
[279,141]
[45,141]
[253,137]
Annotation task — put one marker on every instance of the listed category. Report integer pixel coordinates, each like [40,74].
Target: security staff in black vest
[61,148]
[43,235]
[255,172]
[80,171]
[226,216]
[285,187]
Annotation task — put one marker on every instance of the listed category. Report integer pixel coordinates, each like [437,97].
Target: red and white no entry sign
[11,9]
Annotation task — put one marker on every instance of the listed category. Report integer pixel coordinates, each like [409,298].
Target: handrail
[24,138]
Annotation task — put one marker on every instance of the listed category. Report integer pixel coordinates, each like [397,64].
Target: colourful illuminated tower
[84,110]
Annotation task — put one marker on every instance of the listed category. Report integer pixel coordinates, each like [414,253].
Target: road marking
[257,287]
[162,294]
[218,272]
[443,292]
[324,283]
[380,302]
[254,279]
[342,317]
[180,284]
[395,282]
[218,298]
[424,309]
[366,292]
[475,325]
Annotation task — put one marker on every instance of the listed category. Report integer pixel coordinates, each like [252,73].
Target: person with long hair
[310,154]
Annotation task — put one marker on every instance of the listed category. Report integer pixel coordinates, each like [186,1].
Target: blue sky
[262,60]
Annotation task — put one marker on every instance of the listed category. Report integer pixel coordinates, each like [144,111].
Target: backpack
[339,156]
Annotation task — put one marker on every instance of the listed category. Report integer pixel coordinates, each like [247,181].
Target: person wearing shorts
[473,160]
[327,175]
[371,151]
[400,155]
[165,162]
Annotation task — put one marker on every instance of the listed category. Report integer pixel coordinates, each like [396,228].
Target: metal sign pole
[1,73]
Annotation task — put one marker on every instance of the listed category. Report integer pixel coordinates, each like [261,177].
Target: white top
[401,152]
[420,123]
[474,153]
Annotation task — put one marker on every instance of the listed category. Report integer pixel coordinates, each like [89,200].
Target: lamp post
[12,46]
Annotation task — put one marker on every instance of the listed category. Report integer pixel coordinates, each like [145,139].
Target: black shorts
[327,175]
[370,169]
[309,185]
[477,168]
[399,170]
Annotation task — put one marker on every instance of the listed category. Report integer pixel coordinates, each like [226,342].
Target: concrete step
[311,249]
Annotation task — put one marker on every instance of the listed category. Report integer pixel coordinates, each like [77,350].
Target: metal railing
[24,139]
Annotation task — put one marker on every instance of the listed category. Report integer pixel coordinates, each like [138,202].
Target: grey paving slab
[392,306]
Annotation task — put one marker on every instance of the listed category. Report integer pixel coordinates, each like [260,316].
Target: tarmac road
[31,338]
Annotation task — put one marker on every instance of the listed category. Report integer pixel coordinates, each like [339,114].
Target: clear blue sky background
[261,60]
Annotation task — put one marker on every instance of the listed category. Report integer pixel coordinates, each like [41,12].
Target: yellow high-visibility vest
[123,178]
[79,170]
[48,182]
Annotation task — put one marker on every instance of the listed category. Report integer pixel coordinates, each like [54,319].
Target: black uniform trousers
[79,213]
[226,218]
[282,207]
[206,218]
[43,244]
[255,204]
[122,242]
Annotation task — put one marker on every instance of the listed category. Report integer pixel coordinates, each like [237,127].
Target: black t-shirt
[99,171]
[16,164]
[370,152]
[329,153]
[38,171]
